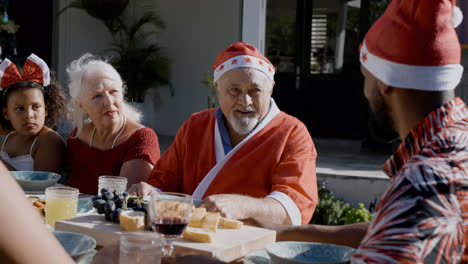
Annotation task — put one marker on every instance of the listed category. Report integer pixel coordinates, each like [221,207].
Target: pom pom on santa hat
[414,45]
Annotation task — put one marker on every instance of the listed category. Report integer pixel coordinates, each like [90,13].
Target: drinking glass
[140,248]
[112,183]
[61,204]
[169,215]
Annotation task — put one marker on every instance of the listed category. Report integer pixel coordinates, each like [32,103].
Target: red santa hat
[414,45]
[241,54]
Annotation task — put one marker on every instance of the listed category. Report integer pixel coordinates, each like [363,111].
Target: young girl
[31,103]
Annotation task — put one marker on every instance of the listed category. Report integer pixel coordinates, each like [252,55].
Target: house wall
[75,33]
[196,31]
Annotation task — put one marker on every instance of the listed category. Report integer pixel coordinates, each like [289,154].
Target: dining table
[230,245]
[110,255]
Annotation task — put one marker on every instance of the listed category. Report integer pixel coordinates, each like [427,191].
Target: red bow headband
[34,70]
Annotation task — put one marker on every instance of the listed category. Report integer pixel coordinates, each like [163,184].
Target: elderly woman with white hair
[107,138]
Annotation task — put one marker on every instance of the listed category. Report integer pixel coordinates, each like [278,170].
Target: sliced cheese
[197,217]
[210,221]
[230,223]
[198,235]
[132,220]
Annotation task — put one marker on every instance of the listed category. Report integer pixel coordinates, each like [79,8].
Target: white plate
[257,257]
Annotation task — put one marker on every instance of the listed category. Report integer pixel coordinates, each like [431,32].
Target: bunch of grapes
[111,204]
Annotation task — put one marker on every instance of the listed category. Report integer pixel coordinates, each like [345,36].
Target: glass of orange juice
[61,204]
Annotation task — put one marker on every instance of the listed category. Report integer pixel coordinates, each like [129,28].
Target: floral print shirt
[422,216]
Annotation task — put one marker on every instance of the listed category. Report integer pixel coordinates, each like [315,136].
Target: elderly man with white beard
[245,159]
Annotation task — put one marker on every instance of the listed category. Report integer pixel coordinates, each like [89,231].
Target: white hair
[76,71]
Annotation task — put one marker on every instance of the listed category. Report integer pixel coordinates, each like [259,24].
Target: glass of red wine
[169,215]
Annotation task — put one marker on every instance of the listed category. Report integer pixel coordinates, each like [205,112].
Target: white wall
[75,33]
[196,31]
[254,23]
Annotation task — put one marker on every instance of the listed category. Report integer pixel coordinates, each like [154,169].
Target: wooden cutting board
[228,245]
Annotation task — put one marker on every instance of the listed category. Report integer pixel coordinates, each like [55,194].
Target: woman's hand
[136,170]
[141,189]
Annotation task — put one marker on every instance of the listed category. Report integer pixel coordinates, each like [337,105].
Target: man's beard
[243,125]
[380,123]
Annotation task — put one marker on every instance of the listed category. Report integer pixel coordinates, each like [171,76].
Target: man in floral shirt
[411,65]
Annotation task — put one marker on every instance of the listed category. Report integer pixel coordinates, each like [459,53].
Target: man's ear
[216,86]
[272,86]
[383,88]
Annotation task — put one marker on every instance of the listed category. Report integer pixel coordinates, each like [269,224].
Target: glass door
[314,48]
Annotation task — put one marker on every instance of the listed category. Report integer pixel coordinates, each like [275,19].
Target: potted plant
[138,57]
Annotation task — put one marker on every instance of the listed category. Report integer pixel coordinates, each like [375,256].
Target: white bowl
[75,244]
[35,180]
[308,252]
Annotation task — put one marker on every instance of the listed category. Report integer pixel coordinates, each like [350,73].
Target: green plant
[139,58]
[209,83]
[354,215]
[333,211]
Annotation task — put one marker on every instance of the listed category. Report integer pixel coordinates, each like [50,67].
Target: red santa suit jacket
[279,158]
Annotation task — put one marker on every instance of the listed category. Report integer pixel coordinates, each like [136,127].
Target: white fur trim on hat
[45,69]
[3,66]
[245,61]
[426,78]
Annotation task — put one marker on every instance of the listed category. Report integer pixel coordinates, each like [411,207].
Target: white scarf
[222,158]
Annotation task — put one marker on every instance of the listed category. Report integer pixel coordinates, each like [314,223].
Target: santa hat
[414,45]
[241,54]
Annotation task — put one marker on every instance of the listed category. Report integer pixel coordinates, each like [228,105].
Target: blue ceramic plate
[308,252]
[35,180]
[75,244]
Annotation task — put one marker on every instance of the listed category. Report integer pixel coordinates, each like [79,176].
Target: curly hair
[54,98]
[76,71]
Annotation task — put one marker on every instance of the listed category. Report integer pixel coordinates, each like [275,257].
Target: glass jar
[140,248]
[61,204]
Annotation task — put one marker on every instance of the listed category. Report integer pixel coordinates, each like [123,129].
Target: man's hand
[141,189]
[347,235]
[234,206]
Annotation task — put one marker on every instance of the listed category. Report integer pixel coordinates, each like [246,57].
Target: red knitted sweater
[86,164]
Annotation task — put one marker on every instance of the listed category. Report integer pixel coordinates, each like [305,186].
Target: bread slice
[210,221]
